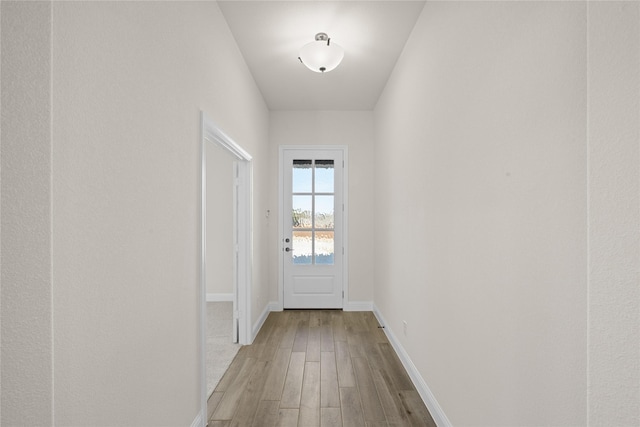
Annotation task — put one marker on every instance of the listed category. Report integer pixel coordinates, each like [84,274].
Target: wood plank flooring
[317,368]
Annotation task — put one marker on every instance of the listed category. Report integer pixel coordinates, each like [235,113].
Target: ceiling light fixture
[321,55]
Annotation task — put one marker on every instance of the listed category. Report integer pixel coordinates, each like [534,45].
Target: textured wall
[129,81]
[614,214]
[355,130]
[481,209]
[25,252]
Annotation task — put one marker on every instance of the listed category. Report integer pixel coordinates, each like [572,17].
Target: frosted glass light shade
[321,55]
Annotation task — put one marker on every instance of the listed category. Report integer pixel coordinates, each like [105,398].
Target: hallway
[312,368]
[493,210]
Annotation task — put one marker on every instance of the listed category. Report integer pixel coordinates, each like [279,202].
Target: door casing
[212,134]
[281,214]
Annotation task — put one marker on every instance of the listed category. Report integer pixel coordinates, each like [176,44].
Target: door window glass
[323,247]
[301,212]
[313,212]
[324,211]
[324,176]
[302,247]
[302,176]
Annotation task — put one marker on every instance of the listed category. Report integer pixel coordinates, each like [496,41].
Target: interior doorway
[221,262]
[225,270]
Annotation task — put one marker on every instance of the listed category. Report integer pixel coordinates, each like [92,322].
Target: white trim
[358,306]
[210,133]
[427,396]
[245,244]
[280,228]
[219,297]
[345,227]
[236,257]
[345,218]
[203,277]
[197,422]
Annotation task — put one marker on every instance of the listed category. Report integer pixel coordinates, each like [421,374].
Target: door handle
[287,249]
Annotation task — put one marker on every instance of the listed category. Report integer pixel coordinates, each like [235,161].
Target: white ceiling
[270,34]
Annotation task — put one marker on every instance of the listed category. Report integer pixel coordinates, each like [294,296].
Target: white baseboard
[198,421]
[272,306]
[219,297]
[427,397]
[358,306]
[348,306]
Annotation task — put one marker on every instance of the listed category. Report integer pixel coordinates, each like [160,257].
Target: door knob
[286,240]
[287,249]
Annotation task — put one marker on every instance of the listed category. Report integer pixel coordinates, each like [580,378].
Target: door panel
[313,285]
[313,228]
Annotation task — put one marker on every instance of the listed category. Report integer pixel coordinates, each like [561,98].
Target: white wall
[614,214]
[513,251]
[220,253]
[117,160]
[26,371]
[481,209]
[355,130]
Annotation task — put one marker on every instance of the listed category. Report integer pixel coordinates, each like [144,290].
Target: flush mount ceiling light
[321,55]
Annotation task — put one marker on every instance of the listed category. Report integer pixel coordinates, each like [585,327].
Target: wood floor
[317,368]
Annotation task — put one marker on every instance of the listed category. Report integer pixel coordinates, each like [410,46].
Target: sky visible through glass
[324,184]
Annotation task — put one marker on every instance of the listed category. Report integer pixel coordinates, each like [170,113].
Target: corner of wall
[358,306]
[613,371]
[272,306]
[197,422]
[427,396]
[26,194]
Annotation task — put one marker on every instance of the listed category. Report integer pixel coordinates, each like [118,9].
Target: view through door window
[313,201]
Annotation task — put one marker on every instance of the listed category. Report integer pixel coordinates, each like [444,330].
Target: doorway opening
[225,270]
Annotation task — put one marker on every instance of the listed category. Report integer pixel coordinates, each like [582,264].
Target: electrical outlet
[404,325]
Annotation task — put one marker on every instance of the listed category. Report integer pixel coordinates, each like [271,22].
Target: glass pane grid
[313,203]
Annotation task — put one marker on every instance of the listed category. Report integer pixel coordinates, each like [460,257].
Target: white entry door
[313,227]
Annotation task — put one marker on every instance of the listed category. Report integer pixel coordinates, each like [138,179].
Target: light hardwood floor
[317,368]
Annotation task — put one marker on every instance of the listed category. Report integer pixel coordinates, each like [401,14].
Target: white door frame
[211,133]
[281,216]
